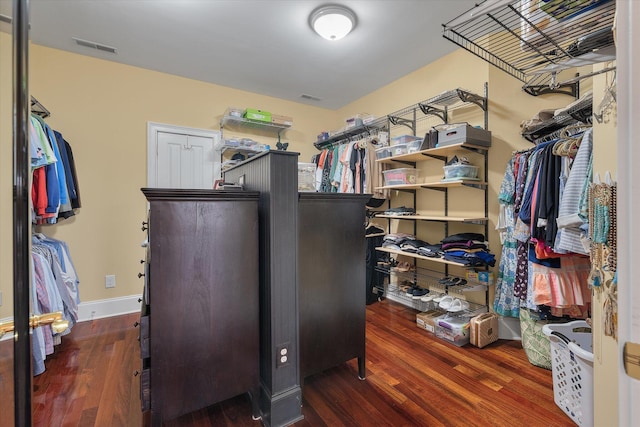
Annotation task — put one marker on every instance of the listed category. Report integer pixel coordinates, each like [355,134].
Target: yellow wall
[605,348]
[102,109]
[6,180]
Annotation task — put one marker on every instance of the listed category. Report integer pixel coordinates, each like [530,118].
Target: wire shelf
[38,108]
[535,41]
[412,116]
[578,112]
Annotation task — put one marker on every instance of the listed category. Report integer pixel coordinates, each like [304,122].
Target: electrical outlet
[282,355]
[110,281]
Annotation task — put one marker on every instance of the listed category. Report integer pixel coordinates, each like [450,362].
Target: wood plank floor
[413,379]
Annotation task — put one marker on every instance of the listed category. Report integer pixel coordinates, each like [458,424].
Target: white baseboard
[100,309]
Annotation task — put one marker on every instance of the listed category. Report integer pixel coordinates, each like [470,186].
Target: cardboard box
[427,320]
[257,115]
[484,329]
[481,276]
[281,120]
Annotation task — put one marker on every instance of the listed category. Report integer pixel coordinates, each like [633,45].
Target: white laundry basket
[572,369]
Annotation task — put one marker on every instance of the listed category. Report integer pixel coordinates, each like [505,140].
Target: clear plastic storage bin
[400,176]
[404,139]
[572,369]
[453,329]
[414,146]
[306,176]
[383,152]
[398,149]
[460,172]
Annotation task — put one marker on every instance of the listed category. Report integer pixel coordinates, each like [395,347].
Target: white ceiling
[262,46]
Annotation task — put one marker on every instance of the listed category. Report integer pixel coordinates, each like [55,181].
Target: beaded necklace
[600,196]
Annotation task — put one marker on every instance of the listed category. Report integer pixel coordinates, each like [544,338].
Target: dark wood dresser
[200,317]
[331,280]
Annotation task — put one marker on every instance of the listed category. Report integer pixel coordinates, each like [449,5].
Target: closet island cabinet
[199,323]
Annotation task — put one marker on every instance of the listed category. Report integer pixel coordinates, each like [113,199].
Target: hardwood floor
[413,379]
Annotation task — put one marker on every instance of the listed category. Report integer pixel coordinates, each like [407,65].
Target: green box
[258,115]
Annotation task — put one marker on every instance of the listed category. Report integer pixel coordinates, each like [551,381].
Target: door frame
[22,372]
[628,67]
[152,146]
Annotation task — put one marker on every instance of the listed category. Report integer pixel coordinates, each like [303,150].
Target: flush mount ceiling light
[332,22]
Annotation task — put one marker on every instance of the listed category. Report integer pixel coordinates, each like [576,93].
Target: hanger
[608,100]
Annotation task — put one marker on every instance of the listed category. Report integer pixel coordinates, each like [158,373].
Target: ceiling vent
[310,97]
[5,18]
[95,45]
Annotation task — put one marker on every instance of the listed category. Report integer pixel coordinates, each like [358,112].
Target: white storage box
[462,132]
[460,171]
[572,368]
[400,176]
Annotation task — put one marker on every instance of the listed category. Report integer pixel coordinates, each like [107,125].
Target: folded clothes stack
[402,210]
[395,240]
[469,249]
[409,243]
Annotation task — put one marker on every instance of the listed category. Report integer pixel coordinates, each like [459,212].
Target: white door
[628,62]
[179,157]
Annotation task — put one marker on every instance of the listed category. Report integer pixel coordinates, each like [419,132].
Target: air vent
[94,45]
[5,18]
[310,97]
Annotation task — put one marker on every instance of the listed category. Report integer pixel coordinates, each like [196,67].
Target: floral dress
[505,303]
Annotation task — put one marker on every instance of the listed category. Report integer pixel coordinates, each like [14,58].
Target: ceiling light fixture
[332,22]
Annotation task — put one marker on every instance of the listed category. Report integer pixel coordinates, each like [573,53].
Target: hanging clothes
[534,201]
[55,288]
[571,218]
[55,184]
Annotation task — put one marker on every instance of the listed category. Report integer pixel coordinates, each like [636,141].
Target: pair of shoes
[405,286]
[452,281]
[415,291]
[438,298]
[452,304]
[458,305]
[404,267]
[419,293]
[427,298]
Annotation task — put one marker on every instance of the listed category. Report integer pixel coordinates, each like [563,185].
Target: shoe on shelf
[404,267]
[458,305]
[419,292]
[438,298]
[427,298]
[445,302]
